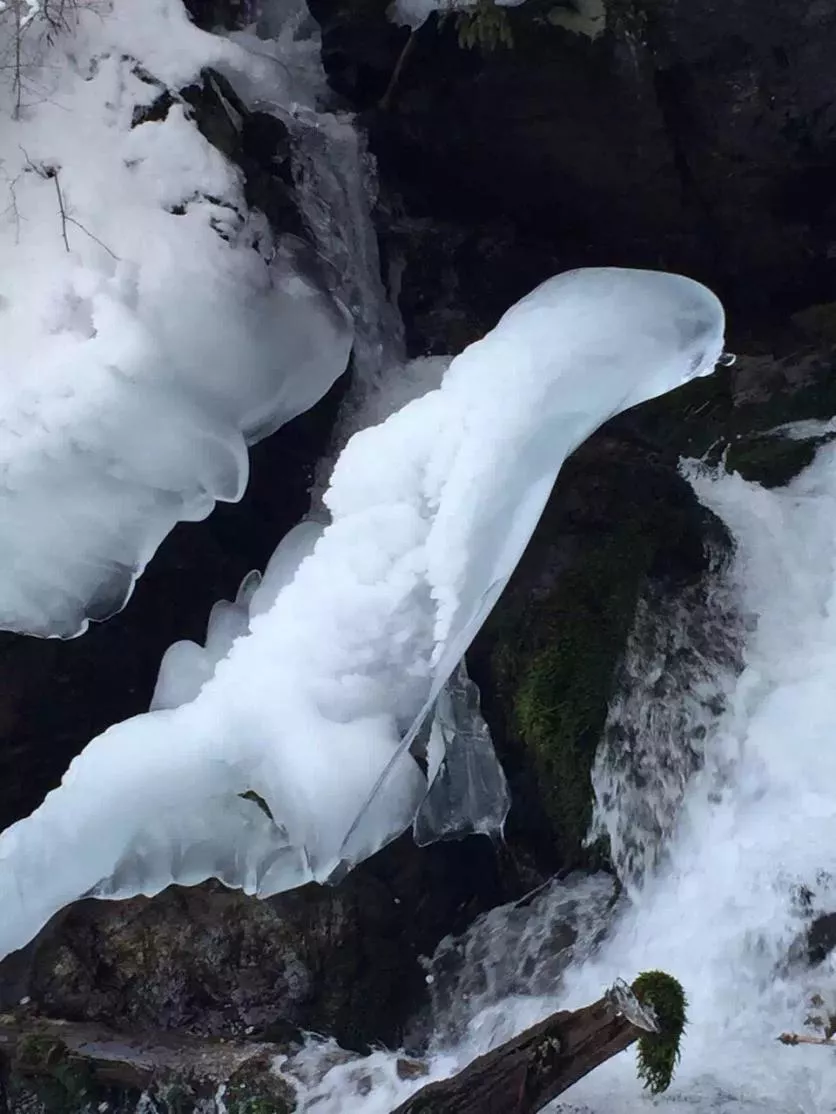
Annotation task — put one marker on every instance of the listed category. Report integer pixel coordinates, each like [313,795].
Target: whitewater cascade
[680,663]
[749,863]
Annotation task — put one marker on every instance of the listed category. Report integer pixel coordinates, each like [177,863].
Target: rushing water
[749,853]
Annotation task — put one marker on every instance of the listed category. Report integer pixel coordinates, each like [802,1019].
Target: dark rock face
[341,961]
[690,136]
[210,15]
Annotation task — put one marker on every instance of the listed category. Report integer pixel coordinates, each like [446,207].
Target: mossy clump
[485,27]
[256,1089]
[554,664]
[705,419]
[659,1052]
[47,1069]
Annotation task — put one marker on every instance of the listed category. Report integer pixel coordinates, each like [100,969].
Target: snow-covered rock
[152,326]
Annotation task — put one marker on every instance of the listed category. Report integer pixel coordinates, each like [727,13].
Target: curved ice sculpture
[292,760]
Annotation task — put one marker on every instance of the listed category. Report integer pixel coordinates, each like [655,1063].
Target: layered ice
[151,325]
[315,710]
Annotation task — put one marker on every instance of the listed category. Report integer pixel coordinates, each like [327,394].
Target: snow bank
[150,327]
[315,709]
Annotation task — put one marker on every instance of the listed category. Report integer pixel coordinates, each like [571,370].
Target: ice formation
[151,327]
[316,708]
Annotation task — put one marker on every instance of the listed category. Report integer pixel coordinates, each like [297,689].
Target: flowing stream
[728,857]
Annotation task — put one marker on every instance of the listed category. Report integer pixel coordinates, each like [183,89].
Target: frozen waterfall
[315,711]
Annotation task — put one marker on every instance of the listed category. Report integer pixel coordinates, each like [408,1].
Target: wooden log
[520,1077]
[525,1074]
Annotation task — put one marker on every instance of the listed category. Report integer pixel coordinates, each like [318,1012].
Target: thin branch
[52,172]
[386,100]
[95,239]
[54,176]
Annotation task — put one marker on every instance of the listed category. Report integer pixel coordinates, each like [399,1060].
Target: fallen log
[525,1074]
[520,1077]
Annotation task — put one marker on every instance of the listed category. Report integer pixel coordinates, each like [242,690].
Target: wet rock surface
[342,961]
[688,135]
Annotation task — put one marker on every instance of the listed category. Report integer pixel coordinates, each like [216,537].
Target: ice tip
[726,359]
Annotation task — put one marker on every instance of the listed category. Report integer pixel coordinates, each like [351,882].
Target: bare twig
[52,172]
[408,47]
[54,177]
[95,239]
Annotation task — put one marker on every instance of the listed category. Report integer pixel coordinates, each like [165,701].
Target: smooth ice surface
[750,863]
[148,334]
[315,709]
[467,791]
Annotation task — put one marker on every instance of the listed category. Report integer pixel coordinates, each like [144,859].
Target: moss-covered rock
[735,416]
[255,1089]
[546,660]
[210,962]
[554,662]
[49,1078]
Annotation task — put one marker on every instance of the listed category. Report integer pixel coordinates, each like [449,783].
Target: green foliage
[255,1089]
[483,27]
[60,1081]
[659,1052]
[554,662]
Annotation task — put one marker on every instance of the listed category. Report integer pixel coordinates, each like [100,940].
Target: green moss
[256,1089]
[703,420]
[659,1052]
[554,665]
[175,1097]
[47,1069]
[60,1082]
[771,461]
[483,27]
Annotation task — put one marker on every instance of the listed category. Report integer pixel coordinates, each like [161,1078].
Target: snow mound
[150,326]
[292,760]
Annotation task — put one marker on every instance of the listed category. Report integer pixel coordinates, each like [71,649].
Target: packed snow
[151,325]
[315,710]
